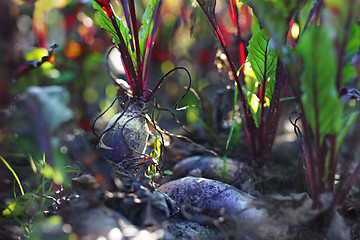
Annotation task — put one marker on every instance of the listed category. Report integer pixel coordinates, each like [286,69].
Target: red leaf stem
[310,171]
[135,36]
[274,112]
[208,8]
[332,165]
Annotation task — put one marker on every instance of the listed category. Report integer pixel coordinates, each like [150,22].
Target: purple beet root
[206,200]
[127,139]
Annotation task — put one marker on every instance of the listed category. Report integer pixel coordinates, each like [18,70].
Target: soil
[106,200]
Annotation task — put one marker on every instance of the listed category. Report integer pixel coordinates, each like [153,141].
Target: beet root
[127,139]
[207,201]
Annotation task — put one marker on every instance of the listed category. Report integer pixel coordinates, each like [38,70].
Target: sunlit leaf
[16,206]
[261,57]
[254,104]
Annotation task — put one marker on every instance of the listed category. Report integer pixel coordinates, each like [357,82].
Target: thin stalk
[274,112]
[129,66]
[137,45]
[310,171]
[306,147]
[241,46]
[332,165]
[321,165]
[340,193]
[14,174]
[249,121]
[344,192]
[124,5]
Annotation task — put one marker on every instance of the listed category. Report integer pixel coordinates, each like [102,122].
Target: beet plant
[126,135]
[260,94]
[328,104]
[323,68]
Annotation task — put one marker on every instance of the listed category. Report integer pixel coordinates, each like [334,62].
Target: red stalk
[249,121]
[129,66]
[332,165]
[274,112]
[344,192]
[234,13]
[139,84]
[309,159]
[138,77]
[310,171]
[127,18]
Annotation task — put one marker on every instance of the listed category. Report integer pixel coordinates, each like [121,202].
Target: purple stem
[344,192]
[249,121]
[332,164]
[135,35]
[310,171]
[274,112]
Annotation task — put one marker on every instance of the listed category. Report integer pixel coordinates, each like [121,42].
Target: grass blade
[13,173]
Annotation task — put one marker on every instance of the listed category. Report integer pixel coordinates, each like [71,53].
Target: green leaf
[321,102]
[347,122]
[255,26]
[13,173]
[105,23]
[263,60]
[16,206]
[254,104]
[304,14]
[146,27]
[245,1]
[342,17]
[353,44]
[261,57]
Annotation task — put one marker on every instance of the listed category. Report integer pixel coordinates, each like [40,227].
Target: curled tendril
[188,89]
[125,102]
[297,130]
